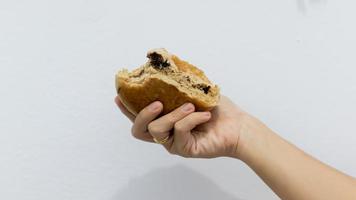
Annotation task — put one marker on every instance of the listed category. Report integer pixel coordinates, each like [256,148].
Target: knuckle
[153,128]
[172,118]
[178,127]
[175,115]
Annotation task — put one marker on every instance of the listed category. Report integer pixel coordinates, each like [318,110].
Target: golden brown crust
[136,97]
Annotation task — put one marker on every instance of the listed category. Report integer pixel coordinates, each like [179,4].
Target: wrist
[253,135]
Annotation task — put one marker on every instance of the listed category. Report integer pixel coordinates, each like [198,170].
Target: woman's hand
[192,134]
[228,131]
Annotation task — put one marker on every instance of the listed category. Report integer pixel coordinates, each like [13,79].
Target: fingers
[160,128]
[183,120]
[124,110]
[144,117]
[183,139]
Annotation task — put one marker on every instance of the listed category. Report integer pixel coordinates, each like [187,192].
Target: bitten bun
[166,78]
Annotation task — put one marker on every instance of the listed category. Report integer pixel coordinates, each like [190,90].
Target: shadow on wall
[173,183]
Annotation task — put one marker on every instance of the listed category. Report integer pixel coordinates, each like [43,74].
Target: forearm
[288,171]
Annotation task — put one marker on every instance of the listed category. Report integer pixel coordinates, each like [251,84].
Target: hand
[192,134]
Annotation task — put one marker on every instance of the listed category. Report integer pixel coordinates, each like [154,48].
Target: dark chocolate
[206,89]
[202,87]
[157,61]
[187,78]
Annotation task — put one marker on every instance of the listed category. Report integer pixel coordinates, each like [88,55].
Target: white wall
[290,63]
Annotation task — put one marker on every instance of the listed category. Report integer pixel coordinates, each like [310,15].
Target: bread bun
[166,78]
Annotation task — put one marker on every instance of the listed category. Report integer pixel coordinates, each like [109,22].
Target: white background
[291,63]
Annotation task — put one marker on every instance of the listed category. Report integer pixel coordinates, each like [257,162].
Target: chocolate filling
[187,78]
[157,61]
[202,87]
[206,89]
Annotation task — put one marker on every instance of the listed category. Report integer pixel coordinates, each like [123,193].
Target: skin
[229,131]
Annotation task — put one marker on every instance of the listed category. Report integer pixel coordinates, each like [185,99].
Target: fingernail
[207,114]
[154,106]
[187,107]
